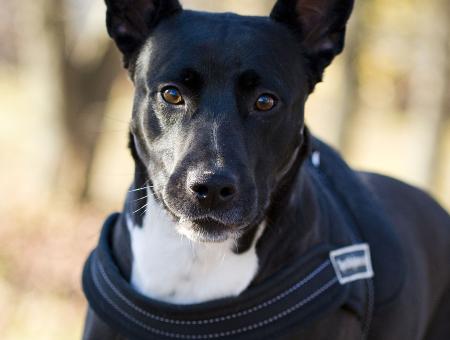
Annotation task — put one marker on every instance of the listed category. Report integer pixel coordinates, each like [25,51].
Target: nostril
[201,190]
[211,189]
[227,192]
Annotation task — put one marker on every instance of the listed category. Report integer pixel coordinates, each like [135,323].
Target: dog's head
[219,100]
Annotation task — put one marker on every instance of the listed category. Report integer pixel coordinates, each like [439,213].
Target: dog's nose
[212,189]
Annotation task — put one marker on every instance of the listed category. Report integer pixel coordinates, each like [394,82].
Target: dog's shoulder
[402,200]
[421,223]
[423,227]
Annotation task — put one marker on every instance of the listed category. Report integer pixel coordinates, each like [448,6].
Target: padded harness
[328,277]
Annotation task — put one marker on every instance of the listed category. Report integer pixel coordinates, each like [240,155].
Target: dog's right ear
[130,22]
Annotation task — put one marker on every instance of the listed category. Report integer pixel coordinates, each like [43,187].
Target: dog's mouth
[209,226]
[207,229]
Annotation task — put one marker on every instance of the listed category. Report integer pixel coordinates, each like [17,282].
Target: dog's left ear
[320,24]
[130,22]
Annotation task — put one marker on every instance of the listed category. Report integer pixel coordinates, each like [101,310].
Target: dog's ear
[320,24]
[129,22]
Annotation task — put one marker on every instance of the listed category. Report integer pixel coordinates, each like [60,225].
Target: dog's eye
[172,96]
[265,102]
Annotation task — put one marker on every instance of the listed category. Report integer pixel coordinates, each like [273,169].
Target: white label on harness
[352,263]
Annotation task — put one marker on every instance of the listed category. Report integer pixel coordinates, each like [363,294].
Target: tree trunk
[67,98]
[429,86]
[85,88]
[40,73]
[350,100]
[439,156]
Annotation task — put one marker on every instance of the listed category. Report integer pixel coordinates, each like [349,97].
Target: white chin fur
[171,265]
[186,229]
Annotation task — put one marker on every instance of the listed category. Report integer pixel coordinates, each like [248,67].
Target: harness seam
[298,285]
[220,334]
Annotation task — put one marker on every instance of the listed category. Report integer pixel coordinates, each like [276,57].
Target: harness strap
[366,297]
[368,223]
[303,292]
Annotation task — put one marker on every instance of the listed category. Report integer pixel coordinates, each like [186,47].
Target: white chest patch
[169,267]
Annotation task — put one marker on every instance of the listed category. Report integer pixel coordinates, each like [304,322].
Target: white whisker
[140,199]
[139,189]
[145,187]
[141,208]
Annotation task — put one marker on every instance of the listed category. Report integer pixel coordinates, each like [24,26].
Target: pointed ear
[129,22]
[320,25]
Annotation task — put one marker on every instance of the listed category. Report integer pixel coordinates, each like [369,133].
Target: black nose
[212,189]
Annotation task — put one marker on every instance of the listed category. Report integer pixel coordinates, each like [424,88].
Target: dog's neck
[295,224]
[169,267]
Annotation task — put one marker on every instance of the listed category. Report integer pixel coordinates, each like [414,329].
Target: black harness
[330,276]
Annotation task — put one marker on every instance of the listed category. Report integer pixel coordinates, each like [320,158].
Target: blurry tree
[349,97]
[86,87]
[437,163]
[429,90]
[77,88]
[8,33]
[249,7]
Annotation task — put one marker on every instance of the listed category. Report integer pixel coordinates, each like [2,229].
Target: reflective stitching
[151,329]
[214,335]
[299,284]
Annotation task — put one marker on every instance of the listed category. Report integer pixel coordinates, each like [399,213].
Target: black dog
[239,223]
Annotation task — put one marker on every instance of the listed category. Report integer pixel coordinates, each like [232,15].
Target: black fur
[320,26]
[130,22]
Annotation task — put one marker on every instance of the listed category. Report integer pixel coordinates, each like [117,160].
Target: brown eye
[265,102]
[172,95]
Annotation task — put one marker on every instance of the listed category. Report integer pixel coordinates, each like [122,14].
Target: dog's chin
[207,231]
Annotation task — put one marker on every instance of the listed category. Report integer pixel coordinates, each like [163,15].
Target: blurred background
[65,104]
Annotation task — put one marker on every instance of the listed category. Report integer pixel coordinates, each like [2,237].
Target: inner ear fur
[130,22]
[319,24]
